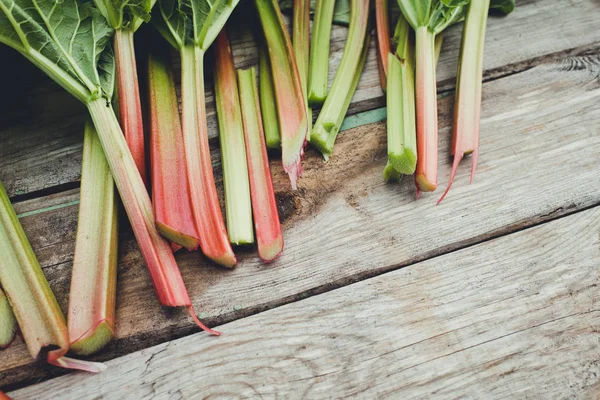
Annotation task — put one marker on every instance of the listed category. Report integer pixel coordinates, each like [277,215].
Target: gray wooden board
[517,317]
[539,159]
[41,127]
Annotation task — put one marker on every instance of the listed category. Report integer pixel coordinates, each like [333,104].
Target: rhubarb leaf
[67,42]
[193,21]
[505,6]
[125,14]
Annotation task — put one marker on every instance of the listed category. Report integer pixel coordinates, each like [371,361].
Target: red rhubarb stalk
[170,185]
[383,39]
[128,91]
[293,119]
[426,106]
[264,205]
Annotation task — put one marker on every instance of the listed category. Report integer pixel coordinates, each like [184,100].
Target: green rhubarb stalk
[383,40]
[170,187]
[467,105]
[91,315]
[39,316]
[318,78]
[291,109]
[428,18]
[8,323]
[332,114]
[401,126]
[192,27]
[238,208]
[85,68]
[264,205]
[125,17]
[267,101]
[301,43]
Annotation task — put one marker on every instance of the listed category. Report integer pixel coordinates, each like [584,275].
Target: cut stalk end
[391,174]
[93,340]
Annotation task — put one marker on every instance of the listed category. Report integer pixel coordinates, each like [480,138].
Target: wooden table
[493,293]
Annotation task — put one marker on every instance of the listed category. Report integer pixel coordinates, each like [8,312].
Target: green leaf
[193,21]
[437,15]
[67,39]
[125,14]
[505,6]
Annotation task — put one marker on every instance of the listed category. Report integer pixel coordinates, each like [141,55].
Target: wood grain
[539,160]
[515,317]
[41,126]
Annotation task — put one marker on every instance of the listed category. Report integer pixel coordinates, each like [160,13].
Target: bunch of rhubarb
[191,27]
[70,45]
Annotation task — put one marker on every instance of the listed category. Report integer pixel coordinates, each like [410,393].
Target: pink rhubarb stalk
[130,109]
[170,185]
[383,40]
[291,106]
[467,106]
[426,106]
[264,206]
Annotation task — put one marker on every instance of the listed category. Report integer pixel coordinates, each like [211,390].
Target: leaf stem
[336,105]
[267,99]
[264,205]
[91,314]
[467,106]
[203,192]
[383,39]
[170,187]
[233,150]
[318,79]
[130,109]
[426,107]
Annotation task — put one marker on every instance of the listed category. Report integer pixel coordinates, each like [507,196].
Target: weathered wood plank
[45,151]
[517,316]
[539,159]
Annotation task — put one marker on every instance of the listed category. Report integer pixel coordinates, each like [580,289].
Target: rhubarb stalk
[291,109]
[39,316]
[345,82]
[301,43]
[125,18]
[401,129]
[467,104]
[428,18]
[264,206]
[91,315]
[238,208]
[318,79]
[170,186]
[8,323]
[191,28]
[383,40]
[267,100]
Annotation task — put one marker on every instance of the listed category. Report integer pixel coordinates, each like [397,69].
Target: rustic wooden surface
[539,162]
[517,316]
